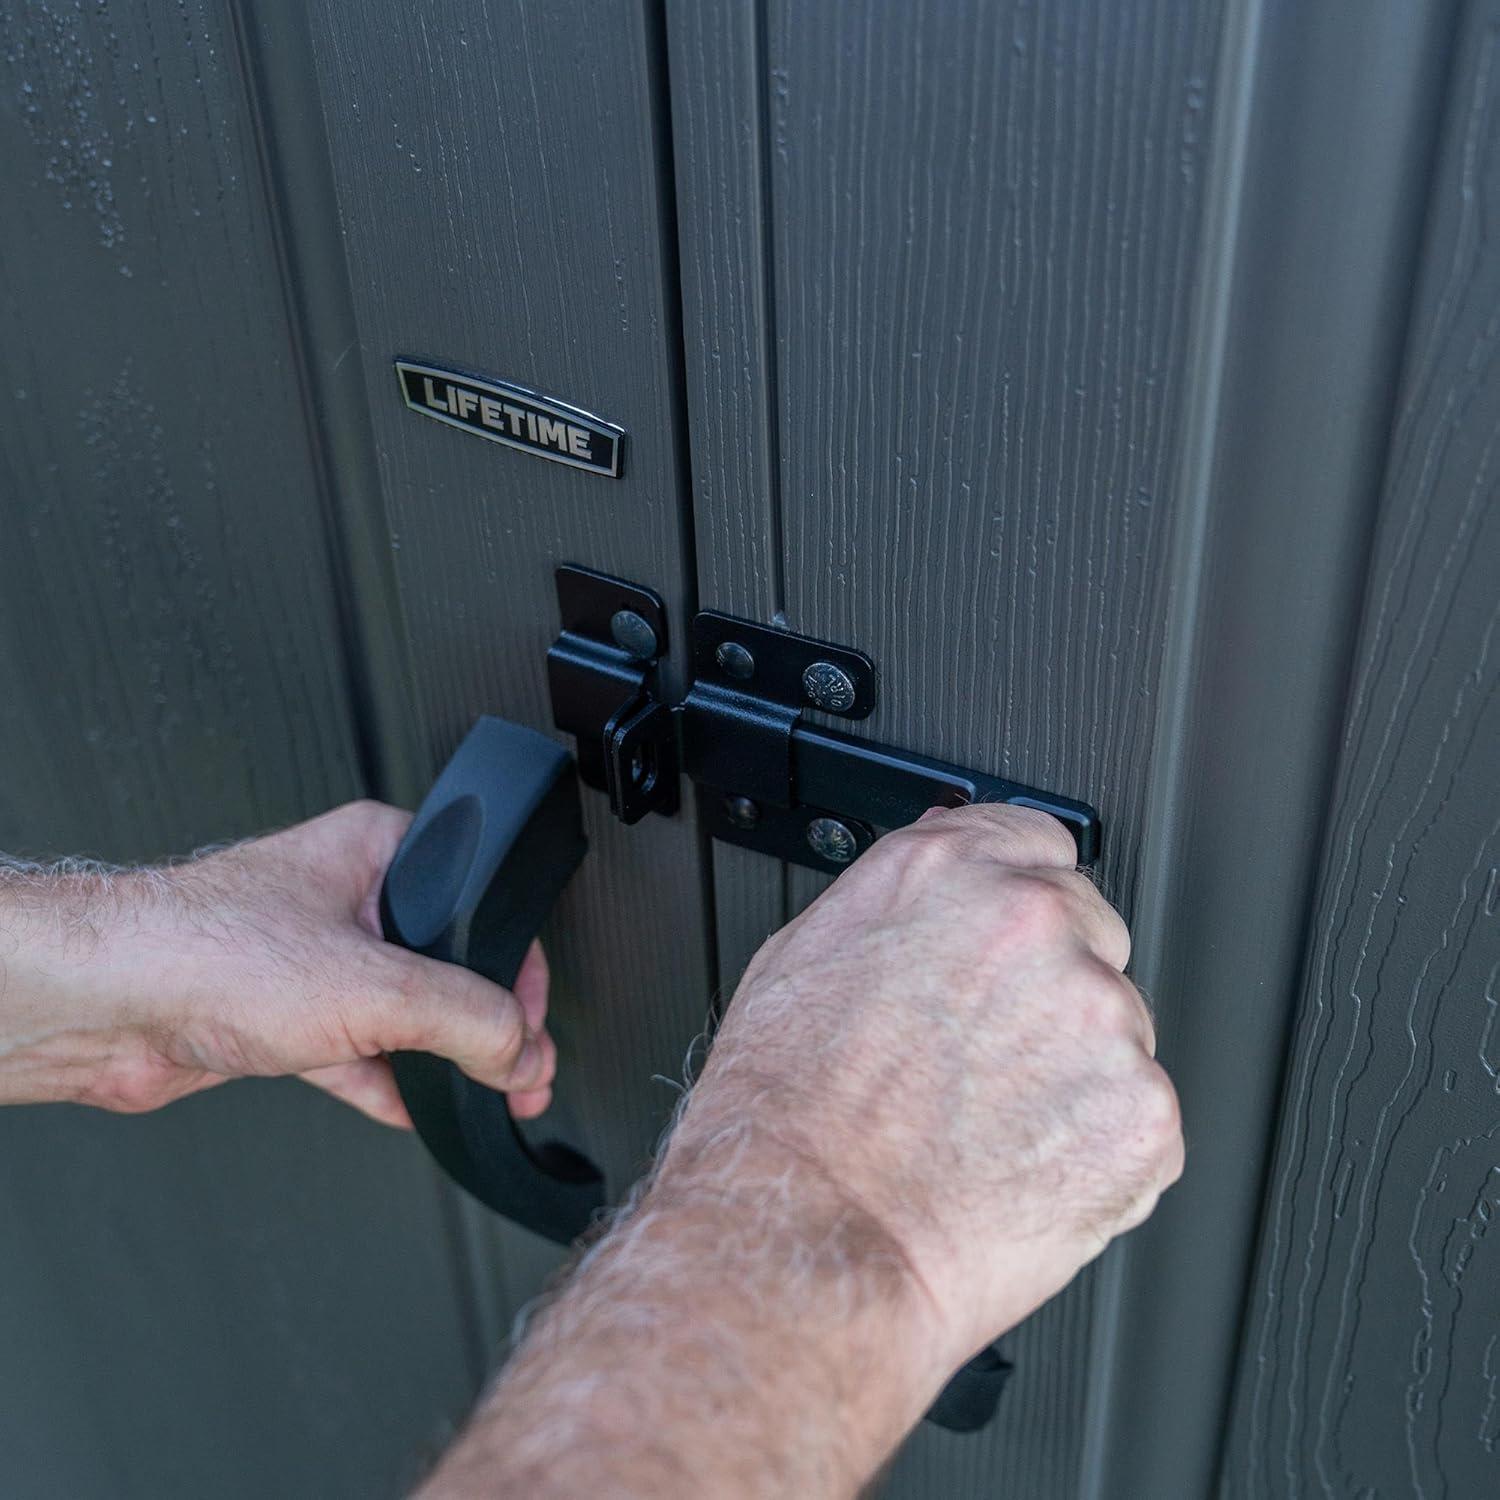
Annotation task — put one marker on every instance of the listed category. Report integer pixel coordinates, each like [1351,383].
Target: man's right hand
[947,1039]
[932,1100]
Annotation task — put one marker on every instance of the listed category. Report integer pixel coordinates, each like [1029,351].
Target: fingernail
[527,1072]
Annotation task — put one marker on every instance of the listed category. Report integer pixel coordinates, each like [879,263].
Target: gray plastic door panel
[1047,354]
[1371,1349]
[956,246]
[954,249]
[498,179]
[191,1302]
[243,583]
[1116,375]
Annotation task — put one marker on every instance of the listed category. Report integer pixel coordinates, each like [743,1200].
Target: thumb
[431,1006]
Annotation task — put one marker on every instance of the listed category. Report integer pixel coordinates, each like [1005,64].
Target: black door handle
[486,857]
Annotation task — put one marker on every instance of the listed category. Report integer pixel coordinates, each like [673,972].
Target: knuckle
[494,1034]
[1119,943]
[903,864]
[1030,836]
[1086,892]
[1041,909]
[1157,1110]
[1137,1140]
[1106,1002]
[1084,888]
[133,1085]
[1174,1161]
[509,1035]
[1014,835]
[438,1011]
[921,849]
[1042,836]
[947,823]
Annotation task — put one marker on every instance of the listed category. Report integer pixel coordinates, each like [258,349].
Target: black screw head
[829,686]
[741,811]
[734,659]
[633,633]
[832,840]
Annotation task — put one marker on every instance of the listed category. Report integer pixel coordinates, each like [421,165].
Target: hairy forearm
[745,1330]
[60,1010]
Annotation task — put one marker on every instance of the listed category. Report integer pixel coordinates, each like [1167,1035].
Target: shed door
[242,582]
[1113,374]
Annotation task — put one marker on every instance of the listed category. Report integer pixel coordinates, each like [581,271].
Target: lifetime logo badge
[510,414]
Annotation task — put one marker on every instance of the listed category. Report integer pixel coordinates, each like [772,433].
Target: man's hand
[947,1036]
[933,1099]
[129,990]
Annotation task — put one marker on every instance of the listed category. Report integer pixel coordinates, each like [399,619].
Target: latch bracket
[767,778]
[601,672]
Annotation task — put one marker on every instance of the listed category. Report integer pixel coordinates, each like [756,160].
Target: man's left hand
[130,989]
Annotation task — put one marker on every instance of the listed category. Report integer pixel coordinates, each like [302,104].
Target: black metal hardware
[488,853]
[626,745]
[768,779]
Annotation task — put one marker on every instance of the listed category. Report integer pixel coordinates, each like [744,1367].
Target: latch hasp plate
[768,779]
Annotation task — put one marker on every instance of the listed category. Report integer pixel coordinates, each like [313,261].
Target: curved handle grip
[488,853]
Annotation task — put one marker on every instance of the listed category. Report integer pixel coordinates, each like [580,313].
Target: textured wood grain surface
[938,317]
[1317,187]
[174,672]
[249,1293]
[1370,1357]
[497,175]
[721,138]
[950,266]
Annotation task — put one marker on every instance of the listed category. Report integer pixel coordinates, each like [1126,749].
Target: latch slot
[767,780]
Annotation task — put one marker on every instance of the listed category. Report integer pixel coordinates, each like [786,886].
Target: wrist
[755,1137]
[744,1330]
[76,1024]
[861,1346]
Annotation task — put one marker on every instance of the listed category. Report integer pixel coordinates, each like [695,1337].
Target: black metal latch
[767,779]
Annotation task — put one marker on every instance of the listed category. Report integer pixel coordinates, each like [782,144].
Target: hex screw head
[633,633]
[829,687]
[743,812]
[832,840]
[734,659]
